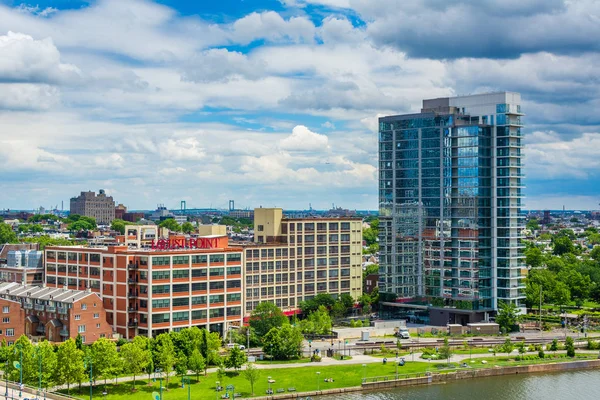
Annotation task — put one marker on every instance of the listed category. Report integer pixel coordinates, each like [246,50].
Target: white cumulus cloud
[303,139]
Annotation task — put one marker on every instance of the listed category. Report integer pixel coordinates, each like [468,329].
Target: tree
[283,343]
[533,224]
[507,316]
[196,363]
[507,347]
[79,342]
[70,367]
[105,359]
[321,321]
[595,253]
[46,351]
[338,310]
[235,359]
[570,347]
[136,357]
[187,227]
[445,351]
[80,226]
[7,235]
[164,354]
[29,364]
[347,300]
[554,345]
[265,317]
[534,257]
[118,225]
[171,225]
[563,245]
[252,374]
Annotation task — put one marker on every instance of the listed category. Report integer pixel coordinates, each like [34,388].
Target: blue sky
[275,102]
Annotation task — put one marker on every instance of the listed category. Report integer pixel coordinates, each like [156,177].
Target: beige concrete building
[294,259]
[101,207]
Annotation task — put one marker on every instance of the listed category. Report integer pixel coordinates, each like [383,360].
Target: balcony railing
[38,307]
[51,308]
[61,310]
[28,306]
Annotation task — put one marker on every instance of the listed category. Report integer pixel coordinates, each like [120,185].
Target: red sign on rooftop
[185,243]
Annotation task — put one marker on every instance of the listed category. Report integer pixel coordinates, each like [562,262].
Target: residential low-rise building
[53,314]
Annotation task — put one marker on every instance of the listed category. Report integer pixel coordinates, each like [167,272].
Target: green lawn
[302,378]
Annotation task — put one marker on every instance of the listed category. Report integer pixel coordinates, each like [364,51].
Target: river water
[578,385]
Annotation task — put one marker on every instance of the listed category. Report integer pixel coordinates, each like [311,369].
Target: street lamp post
[248,340]
[19,347]
[158,371]
[39,354]
[269,382]
[318,381]
[364,372]
[396,365]
[89,363]
[186,379]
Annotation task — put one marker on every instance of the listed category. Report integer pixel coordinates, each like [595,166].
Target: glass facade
[450,202]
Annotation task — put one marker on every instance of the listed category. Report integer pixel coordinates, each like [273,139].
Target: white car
[232,345]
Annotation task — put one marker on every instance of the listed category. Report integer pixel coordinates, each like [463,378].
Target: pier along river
[577,385]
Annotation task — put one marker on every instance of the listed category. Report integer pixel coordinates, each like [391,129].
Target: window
[181,260]
[161,303]
[81,329]
[216,298]
[5,320]
[83,306]
[198,300]
[96,316]
[10,332]
[199,259]
[199,314]
[97,326]
[77,317]
[217,258]
[234,257]
[198,286]
[234,297]
[261,228]
[181,301]
[181,288]
[161,261]
[160,318]
[181,273]
[6,309]
[234,270]
[217,285]
[199,273]
[159,289]
[166,274]
[217,271]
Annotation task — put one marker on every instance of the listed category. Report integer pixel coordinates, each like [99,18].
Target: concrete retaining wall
[480,373]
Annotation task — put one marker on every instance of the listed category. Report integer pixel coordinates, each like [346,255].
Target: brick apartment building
[150,286]
[101,207]
[53,314]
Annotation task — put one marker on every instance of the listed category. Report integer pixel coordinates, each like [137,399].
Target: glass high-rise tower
[450,198]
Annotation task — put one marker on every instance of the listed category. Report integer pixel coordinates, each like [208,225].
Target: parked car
[232,345]
[403,334]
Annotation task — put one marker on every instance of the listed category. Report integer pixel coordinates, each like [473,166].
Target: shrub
[315,358]
[570,346]
[541,354]
[592,345]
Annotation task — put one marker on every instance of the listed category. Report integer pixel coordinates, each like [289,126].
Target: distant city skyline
[275,102]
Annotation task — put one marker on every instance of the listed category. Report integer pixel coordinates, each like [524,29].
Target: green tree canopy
[533,224]
[507,316]
[187,227]
[283,343]
[118,225]
[105,359]
[70,367]
[7,235]
[265,317]
[534,257]
[252,374]
[318,322]
[164,355]
[563,245]
[136,357]
[235,359]
[196,363]
[595,253]
[171,225]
